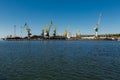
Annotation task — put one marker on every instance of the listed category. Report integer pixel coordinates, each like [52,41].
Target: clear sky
[78,14]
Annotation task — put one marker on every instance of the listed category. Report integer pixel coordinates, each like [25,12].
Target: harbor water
[60,60]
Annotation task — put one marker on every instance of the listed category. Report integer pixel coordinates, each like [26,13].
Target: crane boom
[48,30]
[26,26]
[99,19]
[98,23]
[50,26]
[97,26]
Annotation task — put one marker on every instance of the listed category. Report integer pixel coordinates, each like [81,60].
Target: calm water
[60,60]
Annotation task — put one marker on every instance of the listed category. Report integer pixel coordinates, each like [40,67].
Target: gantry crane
[97,26]
[28,30]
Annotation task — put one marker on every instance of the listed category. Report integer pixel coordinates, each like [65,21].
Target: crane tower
[54,31]
[28,30]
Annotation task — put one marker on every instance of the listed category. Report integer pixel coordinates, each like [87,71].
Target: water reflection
[2,77]
[60,60]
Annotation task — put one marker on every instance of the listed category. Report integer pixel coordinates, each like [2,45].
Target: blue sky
[78,14]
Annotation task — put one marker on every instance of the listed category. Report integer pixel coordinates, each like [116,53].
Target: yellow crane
[66,31]
[50,26]
[54,31]
[47,29]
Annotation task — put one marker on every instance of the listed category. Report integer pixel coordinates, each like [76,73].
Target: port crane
[54,31]
[66,31]
[48,30]
[97,26]
[28,30]
[78,34]
[44,31]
